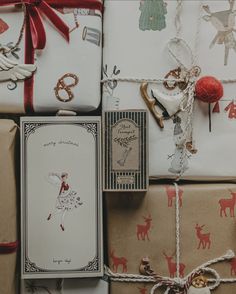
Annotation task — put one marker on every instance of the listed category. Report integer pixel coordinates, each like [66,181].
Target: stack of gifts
[159,145]
[50,63]
[175,59]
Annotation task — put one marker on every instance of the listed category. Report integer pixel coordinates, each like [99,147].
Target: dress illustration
[152,15]
[67,198]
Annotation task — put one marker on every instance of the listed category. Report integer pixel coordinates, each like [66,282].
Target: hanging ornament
[208,89]
[199,286]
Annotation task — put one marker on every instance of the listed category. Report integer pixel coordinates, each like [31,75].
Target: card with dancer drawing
[125,152]
[61,197]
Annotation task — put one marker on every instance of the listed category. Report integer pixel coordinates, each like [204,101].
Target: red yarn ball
[208,89]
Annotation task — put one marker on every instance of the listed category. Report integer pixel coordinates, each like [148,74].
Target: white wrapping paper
[143,54]
[80,57]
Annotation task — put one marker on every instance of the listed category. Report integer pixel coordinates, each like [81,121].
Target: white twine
[182,284]
[155,81]
[175,282]
[177,230]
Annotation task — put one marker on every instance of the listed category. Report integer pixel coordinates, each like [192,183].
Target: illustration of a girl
[67,198]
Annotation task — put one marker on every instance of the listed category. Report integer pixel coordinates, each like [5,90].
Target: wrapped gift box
[68,73]
[144,226]
[136,48]
[61,197]
[68,286]
[8,222]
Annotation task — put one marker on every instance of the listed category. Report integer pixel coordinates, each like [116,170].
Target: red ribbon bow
[33,9]
[38,34]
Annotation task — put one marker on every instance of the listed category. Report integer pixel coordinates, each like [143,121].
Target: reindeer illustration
[204,239]
[117,261]
[171,193]
[142,290]
[142,230]
[172,267]
[233,267]
[224,22]
[228,203]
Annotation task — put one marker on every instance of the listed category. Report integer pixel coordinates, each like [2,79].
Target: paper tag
[125,152]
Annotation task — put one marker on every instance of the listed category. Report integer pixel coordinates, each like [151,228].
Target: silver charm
[11,70]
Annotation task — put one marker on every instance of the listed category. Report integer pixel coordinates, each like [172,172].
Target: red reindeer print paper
[204,235]
[118,262]
[143,230]
[143,290]
[172,268]
[227,205]
[171,193]
[204,238]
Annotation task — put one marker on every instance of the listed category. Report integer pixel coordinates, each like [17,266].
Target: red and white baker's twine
[181,285]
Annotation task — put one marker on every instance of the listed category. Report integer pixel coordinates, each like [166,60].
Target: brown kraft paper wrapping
[204,206]
[8,227]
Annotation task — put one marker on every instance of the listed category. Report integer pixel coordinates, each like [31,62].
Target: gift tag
[199,286]
[193,290]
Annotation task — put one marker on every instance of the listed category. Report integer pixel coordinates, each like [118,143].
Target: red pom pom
[208,89]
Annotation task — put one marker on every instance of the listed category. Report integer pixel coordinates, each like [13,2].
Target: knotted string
[180,285]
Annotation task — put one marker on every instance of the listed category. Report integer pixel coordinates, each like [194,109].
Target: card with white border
[61,199]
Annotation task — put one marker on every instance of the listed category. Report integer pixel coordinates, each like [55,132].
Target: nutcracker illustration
[152,15]
[67,199]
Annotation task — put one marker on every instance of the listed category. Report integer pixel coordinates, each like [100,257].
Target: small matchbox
[125,157]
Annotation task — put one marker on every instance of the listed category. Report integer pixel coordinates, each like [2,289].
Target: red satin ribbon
[6,248]
[35,32]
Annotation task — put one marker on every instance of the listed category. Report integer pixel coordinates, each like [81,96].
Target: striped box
[125,151]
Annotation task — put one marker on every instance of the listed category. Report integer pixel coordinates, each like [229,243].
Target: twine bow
[181,285]
[176,285]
